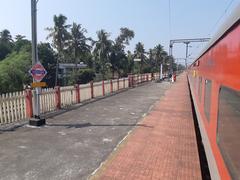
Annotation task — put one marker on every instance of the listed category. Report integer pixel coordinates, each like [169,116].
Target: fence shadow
[11,128]
[84,125]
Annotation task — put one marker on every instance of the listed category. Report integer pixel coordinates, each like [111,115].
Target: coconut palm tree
[60,36]
[77,45]
[118,58]
[140,53]
[78,42]
[5,36]
[159,55]
[102,50]
[6,43]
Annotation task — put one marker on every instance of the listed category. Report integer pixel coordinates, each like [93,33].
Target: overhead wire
[222,15]
[169,19]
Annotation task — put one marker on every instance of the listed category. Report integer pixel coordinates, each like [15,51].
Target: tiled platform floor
[164,148]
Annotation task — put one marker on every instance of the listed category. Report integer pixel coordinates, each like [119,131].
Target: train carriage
[214,80]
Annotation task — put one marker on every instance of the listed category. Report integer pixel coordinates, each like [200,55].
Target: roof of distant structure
[71,65]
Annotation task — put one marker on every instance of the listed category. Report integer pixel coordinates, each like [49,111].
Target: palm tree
[59,35]
[78,46]
[159,55]
[5,36]
[140,53]
[78,42]
[102,50]
[19,37]
[118,58]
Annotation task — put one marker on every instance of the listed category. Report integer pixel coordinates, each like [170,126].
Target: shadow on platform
[83,125]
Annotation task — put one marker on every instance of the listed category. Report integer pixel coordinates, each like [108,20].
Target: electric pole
[36,120]
[187,46]
[187,42]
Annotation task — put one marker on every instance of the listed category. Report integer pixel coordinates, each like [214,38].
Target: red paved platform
[164,148]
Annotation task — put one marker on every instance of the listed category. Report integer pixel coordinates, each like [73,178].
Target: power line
[222,15]
[169,19]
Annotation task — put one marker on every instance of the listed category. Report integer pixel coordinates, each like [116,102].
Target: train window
[207,98]
[200,89]
[228,133]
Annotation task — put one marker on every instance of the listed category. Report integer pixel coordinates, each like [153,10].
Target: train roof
[230,22]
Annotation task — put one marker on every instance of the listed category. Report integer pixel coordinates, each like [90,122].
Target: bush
[82,76]
[14,71]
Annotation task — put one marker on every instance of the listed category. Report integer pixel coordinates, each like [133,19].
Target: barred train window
[200,88]
[207,98]
[228,134]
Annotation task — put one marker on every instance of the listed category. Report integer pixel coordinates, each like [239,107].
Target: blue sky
[148,18]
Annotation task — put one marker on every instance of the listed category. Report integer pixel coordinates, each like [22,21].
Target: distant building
[65,69]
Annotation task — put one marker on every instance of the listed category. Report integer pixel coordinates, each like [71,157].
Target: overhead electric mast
[187,42]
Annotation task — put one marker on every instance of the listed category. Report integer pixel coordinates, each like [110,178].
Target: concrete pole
[187,46]
[36,121]
[36,109]
[170,54]
[161,71]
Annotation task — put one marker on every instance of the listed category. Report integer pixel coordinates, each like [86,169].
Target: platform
[73,144]
[163,146]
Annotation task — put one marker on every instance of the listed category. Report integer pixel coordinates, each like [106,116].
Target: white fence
[17,106]
[97,89]
[68,96]
[47,100]
[12,107]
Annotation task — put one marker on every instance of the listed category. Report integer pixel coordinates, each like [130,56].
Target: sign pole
[161,71]
[36,120]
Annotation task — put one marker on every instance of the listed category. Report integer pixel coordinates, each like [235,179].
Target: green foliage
[5,43]
[82,76]
[14,71]
[5,49]
[101,52]
[118,58]
[105,58]
[77,44]
[60,36]
[21,44]
[140,53]
[48,59]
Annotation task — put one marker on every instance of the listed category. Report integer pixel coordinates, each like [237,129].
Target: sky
[153,21]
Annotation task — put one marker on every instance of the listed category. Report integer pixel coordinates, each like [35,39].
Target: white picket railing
[68,96]
[85,92]
[97,89]
[47,100]
[107,87]
[12,107]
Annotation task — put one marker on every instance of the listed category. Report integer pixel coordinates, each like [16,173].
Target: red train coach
[214,80]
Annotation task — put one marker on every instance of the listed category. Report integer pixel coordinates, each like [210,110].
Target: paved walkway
[167,150]
[72,145]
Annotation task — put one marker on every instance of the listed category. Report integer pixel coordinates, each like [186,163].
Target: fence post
[129,81]
[58,97]
[123,83]
[134,81]
[29,106]
[118,84]
[103,88]
[92,93]
[77,89]
[111,86]
[147,78]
